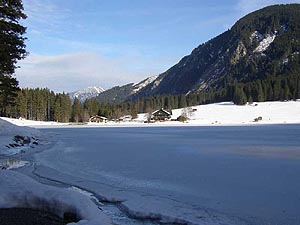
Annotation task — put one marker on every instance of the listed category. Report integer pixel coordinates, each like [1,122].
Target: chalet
[98,119]
[161,115]
[125,118]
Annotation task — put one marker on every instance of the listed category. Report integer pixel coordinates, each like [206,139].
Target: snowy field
[229,114]
[225,113]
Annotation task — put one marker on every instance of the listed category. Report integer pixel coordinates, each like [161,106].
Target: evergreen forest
[44,104]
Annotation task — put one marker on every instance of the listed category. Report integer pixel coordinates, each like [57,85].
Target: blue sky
[74,44]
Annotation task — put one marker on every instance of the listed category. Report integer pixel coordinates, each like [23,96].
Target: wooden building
[98,119]
[161,115]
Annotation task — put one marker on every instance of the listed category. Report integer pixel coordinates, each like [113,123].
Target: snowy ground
[224,113]
[18,190]
[32,123]
[8,134]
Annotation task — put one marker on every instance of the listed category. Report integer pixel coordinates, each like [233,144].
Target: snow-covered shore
[32,123]
[19,190]
[9,135]
[224,113]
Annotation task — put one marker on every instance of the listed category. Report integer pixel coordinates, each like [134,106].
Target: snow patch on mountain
[256,36]
[265,43]
[86,93]
[143,84]
[157,83]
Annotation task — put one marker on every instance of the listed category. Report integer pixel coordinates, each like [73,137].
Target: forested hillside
[259,47]
[43,104]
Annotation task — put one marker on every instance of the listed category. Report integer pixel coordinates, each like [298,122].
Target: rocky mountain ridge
[87,93]
[263,44]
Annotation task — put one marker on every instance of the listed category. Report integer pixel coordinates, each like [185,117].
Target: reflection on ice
[279,152]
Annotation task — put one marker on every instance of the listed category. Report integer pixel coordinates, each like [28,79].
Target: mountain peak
[86,93]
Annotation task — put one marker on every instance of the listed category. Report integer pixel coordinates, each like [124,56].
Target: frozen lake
[200,175]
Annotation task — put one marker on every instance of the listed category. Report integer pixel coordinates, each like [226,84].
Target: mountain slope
[87,93]
[263,43]
[122,93]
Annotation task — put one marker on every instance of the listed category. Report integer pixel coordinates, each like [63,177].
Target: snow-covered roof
[100,117]
[163,110]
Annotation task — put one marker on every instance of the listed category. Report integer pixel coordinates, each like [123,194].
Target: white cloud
[68,72]
[75,71]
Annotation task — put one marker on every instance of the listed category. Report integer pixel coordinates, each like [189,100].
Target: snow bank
[7,128]
[24,122]
[18,190]
[8,143]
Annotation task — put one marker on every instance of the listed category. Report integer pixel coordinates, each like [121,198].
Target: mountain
[263,43]
[122,93]
[262,46]
[87,93]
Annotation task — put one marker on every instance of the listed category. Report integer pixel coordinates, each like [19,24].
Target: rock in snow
[8,132]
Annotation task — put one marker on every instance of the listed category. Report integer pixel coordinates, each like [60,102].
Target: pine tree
[260,93]
[77,111]
[12,49]
[133,111]
[239,97]
[182,101]
[8,93]
[12,46]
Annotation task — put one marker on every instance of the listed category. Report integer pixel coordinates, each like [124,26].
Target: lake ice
[196,175]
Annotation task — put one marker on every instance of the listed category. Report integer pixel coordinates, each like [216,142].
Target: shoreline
[216,114]
[128,125]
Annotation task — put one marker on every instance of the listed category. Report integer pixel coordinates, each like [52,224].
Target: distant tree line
[43,104]
[269,89]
